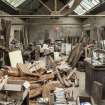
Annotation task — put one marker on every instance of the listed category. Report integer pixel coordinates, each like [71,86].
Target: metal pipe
[51,16]
[55,6]
[45,24]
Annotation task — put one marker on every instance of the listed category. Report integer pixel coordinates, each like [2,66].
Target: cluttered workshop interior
[52,52]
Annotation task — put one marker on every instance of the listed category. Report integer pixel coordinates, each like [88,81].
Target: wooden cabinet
[95,73]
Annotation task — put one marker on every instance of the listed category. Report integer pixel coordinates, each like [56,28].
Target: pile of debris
[42,81]
[36,78]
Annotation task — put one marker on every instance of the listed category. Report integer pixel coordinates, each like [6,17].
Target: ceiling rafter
[45,5]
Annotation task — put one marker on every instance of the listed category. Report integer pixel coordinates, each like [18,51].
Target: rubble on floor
[42,82]
[56,85]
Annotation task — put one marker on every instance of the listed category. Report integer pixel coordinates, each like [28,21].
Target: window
[79,10]
[14,3]
[85,6]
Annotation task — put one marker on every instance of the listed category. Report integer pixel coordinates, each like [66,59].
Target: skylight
[85,6]
[14,3]
[79,10]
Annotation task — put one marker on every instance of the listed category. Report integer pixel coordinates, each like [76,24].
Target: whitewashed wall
[37,32]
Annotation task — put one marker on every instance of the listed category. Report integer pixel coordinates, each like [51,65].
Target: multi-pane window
[85,6]
[14,3]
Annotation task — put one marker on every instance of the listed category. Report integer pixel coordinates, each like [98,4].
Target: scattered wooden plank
[77,55]
[13,72]
[25,71]
[72,55]
[45,91]
[35,92]
[3,82]
[71,73]
[33,86]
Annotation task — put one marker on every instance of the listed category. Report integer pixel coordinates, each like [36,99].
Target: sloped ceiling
[29,7]
[33,6]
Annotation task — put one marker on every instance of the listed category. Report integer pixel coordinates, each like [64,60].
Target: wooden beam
[63,8]
[45,5]
[70,10]
[55,5]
